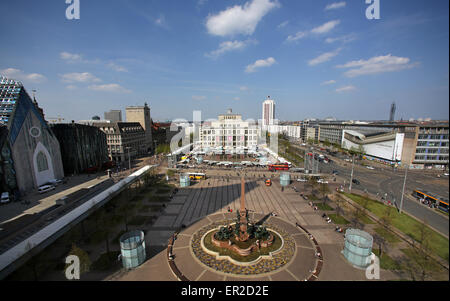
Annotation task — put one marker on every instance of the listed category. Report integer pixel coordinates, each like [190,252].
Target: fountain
[244,238]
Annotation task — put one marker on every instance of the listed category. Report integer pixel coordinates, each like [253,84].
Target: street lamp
[403,191]
[351,175]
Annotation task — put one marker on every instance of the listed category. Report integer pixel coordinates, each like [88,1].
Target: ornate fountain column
[243,235]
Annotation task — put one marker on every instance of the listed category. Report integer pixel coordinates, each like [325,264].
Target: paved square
[212,200]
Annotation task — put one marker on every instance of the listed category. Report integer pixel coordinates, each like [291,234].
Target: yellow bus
[197,176]
[440,202]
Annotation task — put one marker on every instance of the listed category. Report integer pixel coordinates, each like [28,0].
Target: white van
[5,198]
[45,188]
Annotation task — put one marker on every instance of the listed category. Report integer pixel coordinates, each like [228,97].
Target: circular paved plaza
[296,258]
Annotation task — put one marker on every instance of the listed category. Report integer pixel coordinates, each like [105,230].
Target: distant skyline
[316,59]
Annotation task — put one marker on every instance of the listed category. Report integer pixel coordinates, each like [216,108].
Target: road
[384,180]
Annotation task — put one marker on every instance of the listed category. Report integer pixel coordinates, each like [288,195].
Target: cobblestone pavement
[262,266]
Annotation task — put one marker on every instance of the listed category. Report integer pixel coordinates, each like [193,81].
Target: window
[42,163]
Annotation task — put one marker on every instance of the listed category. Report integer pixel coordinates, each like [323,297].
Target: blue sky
[315,58]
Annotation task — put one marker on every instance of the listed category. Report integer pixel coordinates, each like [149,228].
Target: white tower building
[268,112]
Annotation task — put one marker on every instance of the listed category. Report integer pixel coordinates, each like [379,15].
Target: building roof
[121,127]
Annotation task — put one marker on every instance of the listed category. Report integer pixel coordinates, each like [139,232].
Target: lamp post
[351,175]
[129,159]
[403,190]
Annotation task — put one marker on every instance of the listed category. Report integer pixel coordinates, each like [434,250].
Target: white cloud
[109,88]
[299,35]
[79,77]
[335,5]
[324,57]
[229,46]
[283,24]
[344,39]
[239,19]
[35,77]
[243,88]
[260,63]
[345,89]
[198,97]
[17,74]
[329,82]
[71,87]
[377,64]
[117,67]
[324,28]
[237,98]
[70,56]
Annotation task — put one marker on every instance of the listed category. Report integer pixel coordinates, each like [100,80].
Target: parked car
[45,188]
[5,198]
[322,181]
[305,197]
[55,182]
[302,180]
[335,172]
[370,167]
[355,181]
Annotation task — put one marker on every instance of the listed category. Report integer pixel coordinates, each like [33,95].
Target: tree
[365,204]
[355,220]
[324,190]
[386,219]
[420,261]
[163,149]
[127,211]
[381,242]
[85,261]
[311,184]
[105,224]
[338,206]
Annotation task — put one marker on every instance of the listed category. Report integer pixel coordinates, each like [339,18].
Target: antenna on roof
[34,94]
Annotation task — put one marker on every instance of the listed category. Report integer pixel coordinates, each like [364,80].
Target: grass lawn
[408,225]
[338,220]
[366,220]
[324,207]
[387,235]
[430,264]
[386,262]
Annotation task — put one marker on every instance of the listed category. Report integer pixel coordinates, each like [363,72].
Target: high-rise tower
[268,112]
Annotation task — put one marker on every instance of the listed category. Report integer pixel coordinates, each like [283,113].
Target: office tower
[141,114]
[268,112]
[114,115]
